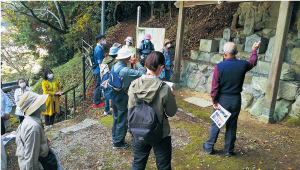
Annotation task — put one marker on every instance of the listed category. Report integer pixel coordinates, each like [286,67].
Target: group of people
[145,83]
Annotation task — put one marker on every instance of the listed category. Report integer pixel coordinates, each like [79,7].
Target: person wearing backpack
[120,110]
[109,61]
[168,60]
[99,56]
[159,96]
[145,48]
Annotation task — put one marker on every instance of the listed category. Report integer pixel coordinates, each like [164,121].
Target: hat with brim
[123,53]
[30,102]
[147,37]
[116,45]
[166,41]
[129,39]
[113,51]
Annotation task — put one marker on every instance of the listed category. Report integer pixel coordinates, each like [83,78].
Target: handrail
[66,100]
[85,42]
[86,49]
[70,89]
[86,65]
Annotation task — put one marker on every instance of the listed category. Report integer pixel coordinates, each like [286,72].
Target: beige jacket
[31,143]
[18,94]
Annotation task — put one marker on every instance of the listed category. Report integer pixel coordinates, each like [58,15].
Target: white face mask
[104,42]
[127,43]
[50,76]
[169,45]
[22,84]
[147,41]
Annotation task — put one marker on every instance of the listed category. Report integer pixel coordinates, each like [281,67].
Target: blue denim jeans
[167,75]
[106,105]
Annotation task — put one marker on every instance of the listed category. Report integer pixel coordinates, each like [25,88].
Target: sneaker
[99,105]
[107,113]
[120,146]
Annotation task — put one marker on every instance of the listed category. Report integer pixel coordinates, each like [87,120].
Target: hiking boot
[120,146]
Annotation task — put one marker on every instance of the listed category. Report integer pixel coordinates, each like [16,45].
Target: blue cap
[113,51]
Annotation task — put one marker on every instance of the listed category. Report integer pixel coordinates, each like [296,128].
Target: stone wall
[259,20]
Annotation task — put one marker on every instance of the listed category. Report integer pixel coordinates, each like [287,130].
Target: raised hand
[256,45]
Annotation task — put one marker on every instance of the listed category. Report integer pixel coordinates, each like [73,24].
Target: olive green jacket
[110,61]
[160,97]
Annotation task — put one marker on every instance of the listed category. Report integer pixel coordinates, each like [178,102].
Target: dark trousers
[49,120]
[162,151]
[97,92]
[167,75]
[21,119]
[232,103]
[2,126]
[119,128]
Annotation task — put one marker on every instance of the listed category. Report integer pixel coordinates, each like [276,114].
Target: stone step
[82,125]
[198,101]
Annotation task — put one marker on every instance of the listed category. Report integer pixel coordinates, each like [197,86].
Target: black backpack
[144,45]
[93,61]
[143,122]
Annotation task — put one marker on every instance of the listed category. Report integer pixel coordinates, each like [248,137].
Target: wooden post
[179,43]
[283,23]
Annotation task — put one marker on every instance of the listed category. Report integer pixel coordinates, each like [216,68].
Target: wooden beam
[283,23]
[188,4]
[179,43]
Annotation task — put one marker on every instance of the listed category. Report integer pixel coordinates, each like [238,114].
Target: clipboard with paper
[220,117]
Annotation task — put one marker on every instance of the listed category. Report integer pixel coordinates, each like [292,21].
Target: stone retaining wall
[197,73]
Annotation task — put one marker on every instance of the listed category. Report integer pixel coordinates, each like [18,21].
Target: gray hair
[230,48]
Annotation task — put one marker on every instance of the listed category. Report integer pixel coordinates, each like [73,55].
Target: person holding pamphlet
[227,85]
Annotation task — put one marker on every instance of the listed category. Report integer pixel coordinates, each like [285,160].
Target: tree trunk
[61,15]
[152,10]
[115,13]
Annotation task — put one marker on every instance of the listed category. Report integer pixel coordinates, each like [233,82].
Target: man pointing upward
[227,85]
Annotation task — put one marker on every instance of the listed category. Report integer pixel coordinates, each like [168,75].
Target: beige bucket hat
[123,53]
[129,39]
[30,102]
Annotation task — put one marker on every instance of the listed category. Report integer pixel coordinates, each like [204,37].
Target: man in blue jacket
[99,56]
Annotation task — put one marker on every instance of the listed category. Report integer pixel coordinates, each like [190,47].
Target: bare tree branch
[61,15]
